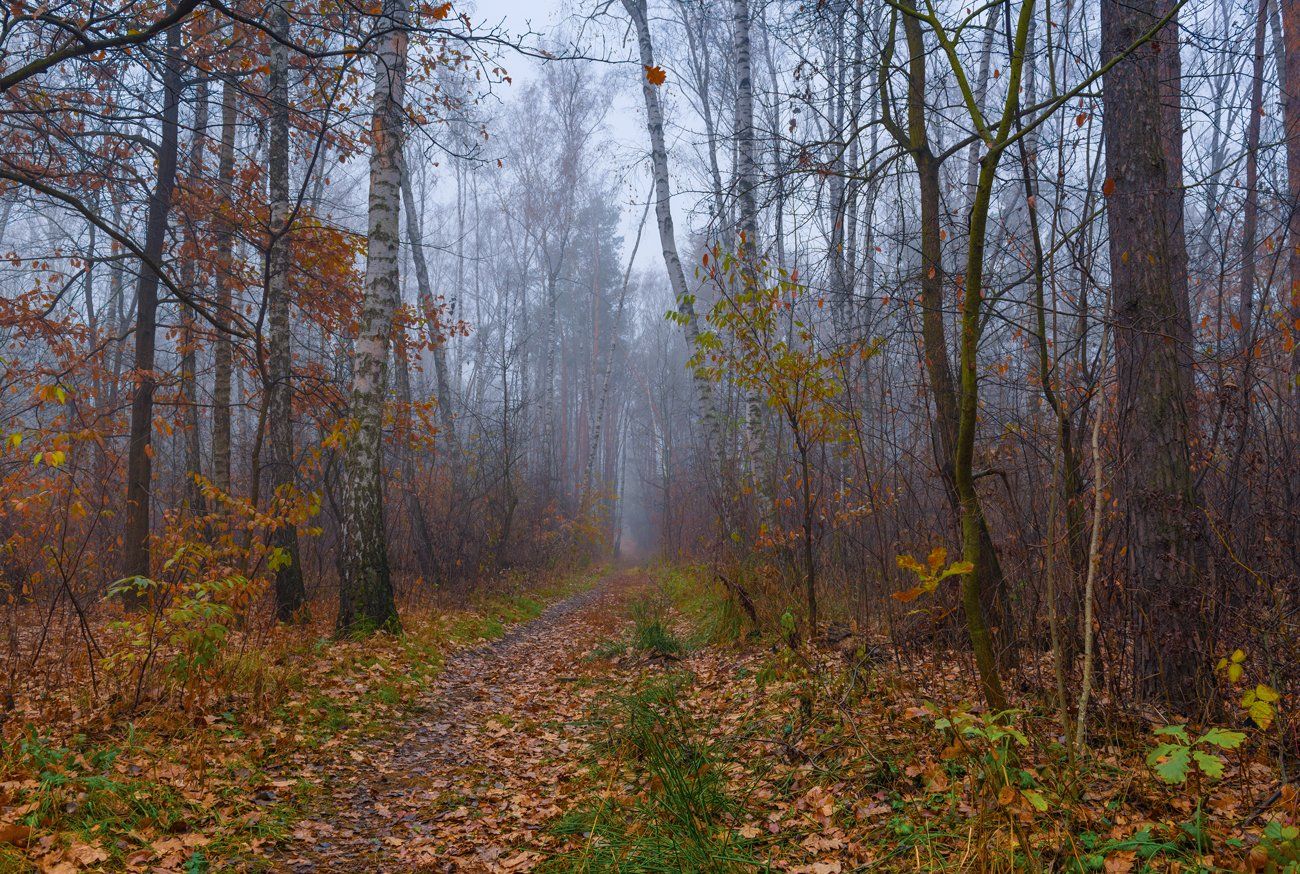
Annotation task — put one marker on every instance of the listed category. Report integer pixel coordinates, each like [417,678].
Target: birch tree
[652,78]
[365,582]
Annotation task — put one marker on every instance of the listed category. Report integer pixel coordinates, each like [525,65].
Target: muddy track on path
[469,780]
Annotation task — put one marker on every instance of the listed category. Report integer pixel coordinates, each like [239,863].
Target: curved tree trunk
[943,388]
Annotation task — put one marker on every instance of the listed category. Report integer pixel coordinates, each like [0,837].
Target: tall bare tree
[139,476]
[913,135]
[654,113]
[223,349]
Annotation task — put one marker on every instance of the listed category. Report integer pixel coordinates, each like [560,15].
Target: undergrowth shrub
[1278,850]
[675,813]
[216,567]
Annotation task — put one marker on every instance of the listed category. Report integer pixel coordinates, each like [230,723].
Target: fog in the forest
[966,334]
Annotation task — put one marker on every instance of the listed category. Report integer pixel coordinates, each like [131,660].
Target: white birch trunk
[636,10]
[365,584]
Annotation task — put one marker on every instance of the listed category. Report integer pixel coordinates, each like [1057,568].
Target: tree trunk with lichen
[365,581]
[943,388]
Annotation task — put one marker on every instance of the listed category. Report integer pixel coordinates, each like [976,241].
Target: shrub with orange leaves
[217,566]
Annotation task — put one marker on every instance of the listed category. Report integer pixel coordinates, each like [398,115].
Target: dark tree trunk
[1291,119]
[429,306]
[223,353]
[1238,504]
[1153,347]
[135,543]
[189,340]
[290,592]
[423,542]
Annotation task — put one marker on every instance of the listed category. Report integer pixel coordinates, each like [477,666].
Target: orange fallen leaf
[12,833]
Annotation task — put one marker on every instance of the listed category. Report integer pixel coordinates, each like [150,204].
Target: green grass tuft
[714,616]
[651,632]
[676,814]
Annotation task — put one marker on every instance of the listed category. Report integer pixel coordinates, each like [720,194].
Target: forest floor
[636,724]
[486,760]
[636,727]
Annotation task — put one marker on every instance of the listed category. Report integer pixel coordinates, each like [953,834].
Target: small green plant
[608,649]
[1180,758]
[1278,850]
[1233,666]
[712,612]
[1143,844]
[1259,702]
[991,741]
[651,633]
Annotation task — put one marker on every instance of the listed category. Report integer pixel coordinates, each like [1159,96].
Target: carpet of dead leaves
[471,782]
[201,779]
[832,754]
[502,747]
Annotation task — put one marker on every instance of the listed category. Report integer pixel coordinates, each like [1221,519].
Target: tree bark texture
[290,591]
[1156,488]
[365,582]
[135,551]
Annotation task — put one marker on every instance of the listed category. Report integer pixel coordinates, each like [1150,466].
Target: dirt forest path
[469,782]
